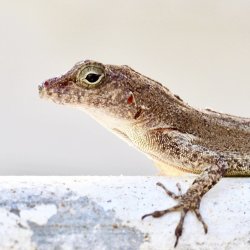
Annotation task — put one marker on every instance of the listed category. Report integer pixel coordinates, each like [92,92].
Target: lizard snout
[46,87]
[48,83]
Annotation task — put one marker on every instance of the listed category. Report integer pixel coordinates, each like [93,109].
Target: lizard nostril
[46,84]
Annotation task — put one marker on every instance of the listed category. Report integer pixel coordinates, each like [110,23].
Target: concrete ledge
[104,213]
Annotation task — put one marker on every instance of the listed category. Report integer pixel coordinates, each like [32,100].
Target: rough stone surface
[104,213]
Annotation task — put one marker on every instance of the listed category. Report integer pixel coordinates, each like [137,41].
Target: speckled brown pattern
[148,116]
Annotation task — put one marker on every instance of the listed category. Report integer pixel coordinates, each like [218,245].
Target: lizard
[148,116]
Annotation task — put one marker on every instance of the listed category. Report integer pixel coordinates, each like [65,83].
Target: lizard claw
[157,214]
[170,193]
[187,202]
[199,217]
[179,228]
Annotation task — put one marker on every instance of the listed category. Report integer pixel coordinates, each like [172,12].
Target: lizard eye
[90,75]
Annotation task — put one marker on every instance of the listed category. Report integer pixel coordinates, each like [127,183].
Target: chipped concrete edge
[94,212]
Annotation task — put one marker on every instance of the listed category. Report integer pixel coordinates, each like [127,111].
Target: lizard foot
[190,201]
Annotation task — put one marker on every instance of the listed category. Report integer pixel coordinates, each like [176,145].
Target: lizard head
[101,90]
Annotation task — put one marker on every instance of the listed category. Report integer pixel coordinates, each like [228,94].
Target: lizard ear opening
[90,76]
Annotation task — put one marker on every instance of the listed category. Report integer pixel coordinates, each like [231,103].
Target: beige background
[199,49]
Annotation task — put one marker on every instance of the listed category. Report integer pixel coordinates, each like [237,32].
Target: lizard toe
[189,201]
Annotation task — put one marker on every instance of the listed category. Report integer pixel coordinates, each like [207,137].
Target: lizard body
[148,116]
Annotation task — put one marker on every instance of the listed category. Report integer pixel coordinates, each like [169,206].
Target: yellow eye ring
[90,75]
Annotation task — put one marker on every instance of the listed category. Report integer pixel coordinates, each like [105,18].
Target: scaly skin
[148,116]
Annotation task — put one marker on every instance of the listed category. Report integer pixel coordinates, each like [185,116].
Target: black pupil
[91,77]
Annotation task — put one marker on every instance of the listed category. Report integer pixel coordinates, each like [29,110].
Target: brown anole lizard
[148,116]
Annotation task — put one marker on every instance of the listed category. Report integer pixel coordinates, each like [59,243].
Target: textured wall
[67,213]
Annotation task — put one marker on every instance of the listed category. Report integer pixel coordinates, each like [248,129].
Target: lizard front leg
[190,201]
